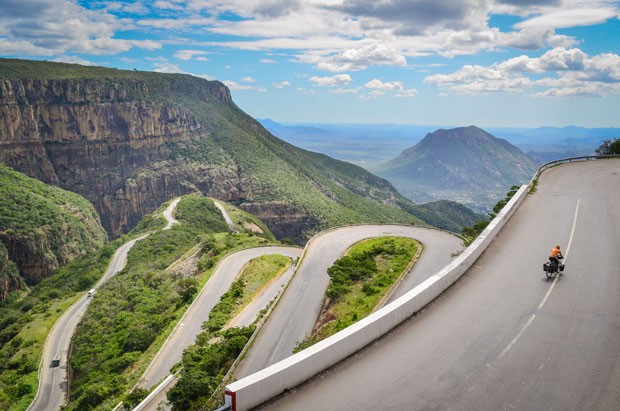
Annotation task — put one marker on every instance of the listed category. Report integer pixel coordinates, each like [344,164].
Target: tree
[609,146]
[187,287]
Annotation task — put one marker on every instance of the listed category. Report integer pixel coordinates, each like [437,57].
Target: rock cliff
[129,141]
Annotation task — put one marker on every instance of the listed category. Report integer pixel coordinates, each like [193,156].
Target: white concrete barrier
[263,385]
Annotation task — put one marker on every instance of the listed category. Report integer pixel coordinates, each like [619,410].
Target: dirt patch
[252,227]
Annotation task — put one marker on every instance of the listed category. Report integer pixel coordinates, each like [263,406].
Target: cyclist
[556,255]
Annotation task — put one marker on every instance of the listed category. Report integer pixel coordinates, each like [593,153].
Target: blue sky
[511,63]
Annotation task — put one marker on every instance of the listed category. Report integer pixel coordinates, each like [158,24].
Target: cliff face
[95,138]
[9,279]
[91,137]
[128,141]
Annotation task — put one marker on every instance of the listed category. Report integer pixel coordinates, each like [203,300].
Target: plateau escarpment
[129,141]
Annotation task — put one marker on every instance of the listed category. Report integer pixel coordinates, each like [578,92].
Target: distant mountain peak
[464,164]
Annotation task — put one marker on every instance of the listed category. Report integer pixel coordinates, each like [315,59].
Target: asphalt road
[53,380]
[52,392]
[299,307]
[190,325]
[504,337]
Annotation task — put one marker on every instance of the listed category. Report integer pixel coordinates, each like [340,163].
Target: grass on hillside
[259,274]
[360,280]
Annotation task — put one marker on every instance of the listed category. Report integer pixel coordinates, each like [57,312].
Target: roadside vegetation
[360,281]
[26,317]
[129,319]
[469,234]
[609,147]
[206,363]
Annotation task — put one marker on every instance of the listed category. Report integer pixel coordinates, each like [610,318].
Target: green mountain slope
[129,141]
[464,164]
[41,228]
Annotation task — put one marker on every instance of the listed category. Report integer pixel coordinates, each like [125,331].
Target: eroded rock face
[115,142]
[9,280]
[94,137]
[284,220]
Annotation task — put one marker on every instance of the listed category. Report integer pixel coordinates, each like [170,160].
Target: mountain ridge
[129,141]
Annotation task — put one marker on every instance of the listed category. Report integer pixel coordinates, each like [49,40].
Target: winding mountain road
[504,337]
[299,308]
[52,392]
[190,324]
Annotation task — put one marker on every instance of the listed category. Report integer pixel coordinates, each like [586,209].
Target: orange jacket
[555,252]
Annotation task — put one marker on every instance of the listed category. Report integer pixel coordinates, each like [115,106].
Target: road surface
[52,392]
[504,337]
[191,324]
[53,380]
[300,306]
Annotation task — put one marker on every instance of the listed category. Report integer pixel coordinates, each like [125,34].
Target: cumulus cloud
[165,67]
[334,81]
[357,59]
[378,87]
[188,54]
[411,17]
[569,72]
[377,84]
[47,27]
[233,85]
[74,60]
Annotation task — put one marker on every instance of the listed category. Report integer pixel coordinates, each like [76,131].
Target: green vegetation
[258,274]
[28,316]
[360,280]
[201,214]
[42,228]
[204,367]
[206,362]
[128,320]
[46,225]
[470,233]
[248,222]
[609,147]
[265,174]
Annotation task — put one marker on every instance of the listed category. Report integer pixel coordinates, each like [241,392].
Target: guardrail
[265,384]
[570,160]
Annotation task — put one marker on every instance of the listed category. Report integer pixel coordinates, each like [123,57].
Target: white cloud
[47,27]
[74,60]
[248,79]
[355,59]
[377,84]
[165,67]
[569,72]
[168,5]
[571,17]
[344,90]
[233,85]
[282,84]
[188,54]
[337,80]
